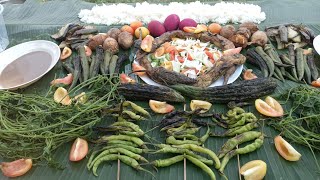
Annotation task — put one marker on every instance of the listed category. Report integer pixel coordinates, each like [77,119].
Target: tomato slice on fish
[249,75]
[126,79]
[16,168]
[137,67]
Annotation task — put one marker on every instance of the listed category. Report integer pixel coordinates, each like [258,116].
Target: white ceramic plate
[218,82]
[316,44]
[10,55]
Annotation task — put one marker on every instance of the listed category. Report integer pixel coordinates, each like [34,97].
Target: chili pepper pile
[125,144]
[239,124]
[181,127]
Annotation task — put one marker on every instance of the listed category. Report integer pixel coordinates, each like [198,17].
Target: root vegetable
[96,41]
[227,31]
[239,40]
[125,40]
[249,25]
[111,45]
[259,38]
[114,33]
[187,23]
[244,31]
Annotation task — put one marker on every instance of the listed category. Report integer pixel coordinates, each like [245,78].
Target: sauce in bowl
[25,69]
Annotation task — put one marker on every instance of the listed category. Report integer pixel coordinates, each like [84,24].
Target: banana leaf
[41,25]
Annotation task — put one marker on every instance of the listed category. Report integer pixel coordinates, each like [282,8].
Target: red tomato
[126,79]
[209,54]
[137,67]
[79,150]
[16,168]
[189,57]
[249,75]
[172,54]
[180,59]
[316,83]
[187,69]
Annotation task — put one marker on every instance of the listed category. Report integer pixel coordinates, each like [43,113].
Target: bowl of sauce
[24,64]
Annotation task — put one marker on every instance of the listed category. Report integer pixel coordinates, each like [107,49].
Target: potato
[125,40]
[227,31]
[156,28]
[187,23]
[96,41]
[111,45]
[113,33]
[171,22]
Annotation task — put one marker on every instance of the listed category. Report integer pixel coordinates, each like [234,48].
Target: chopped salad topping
[186,56]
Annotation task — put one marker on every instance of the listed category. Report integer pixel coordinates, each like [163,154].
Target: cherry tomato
[316,83]
[16,168]
[137,67]
[126,79]
[209,54]
[172,54]
[189,57]
[159,52]
[249,75]
[180,59]
[79,150]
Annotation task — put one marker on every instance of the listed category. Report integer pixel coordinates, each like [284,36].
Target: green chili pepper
[170,149]
[245,117]
[202,166]
[187,136]
[205,137]
[135,140]
[112,157]
[200,149]
[136,108]
[174,141]
[123,142]
[239,139]
[133,126]
[168,161]
[247,149]
[133,115]
[238,130]
[187,131]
